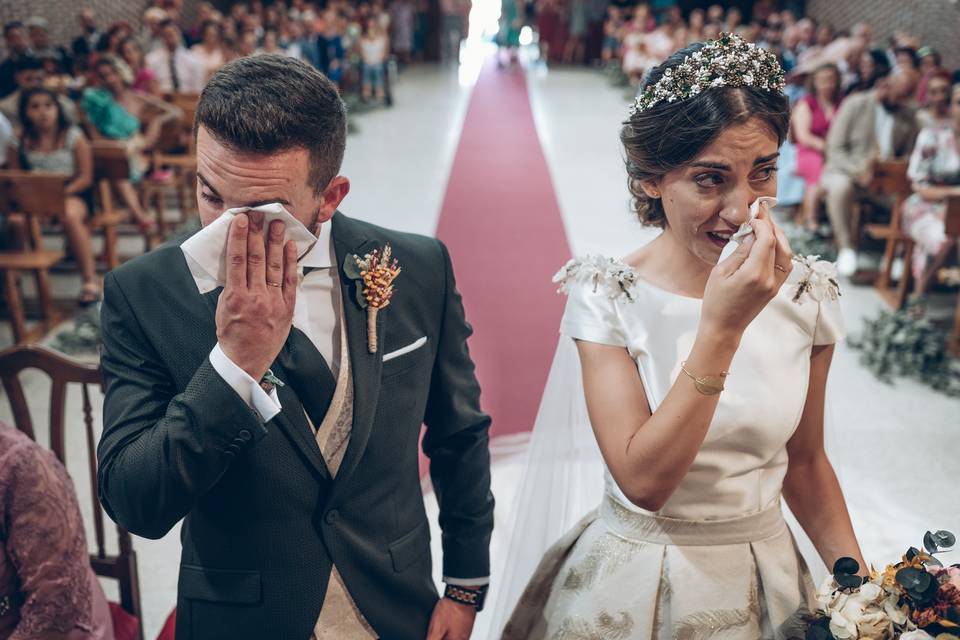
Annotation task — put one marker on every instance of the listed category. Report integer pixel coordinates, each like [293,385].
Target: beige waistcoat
[340,618]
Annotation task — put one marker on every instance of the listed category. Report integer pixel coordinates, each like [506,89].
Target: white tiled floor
[398,164]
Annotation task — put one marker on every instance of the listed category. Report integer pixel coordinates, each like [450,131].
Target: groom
[291,454]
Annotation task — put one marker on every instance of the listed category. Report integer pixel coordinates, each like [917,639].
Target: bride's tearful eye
[765,173]
[708,180]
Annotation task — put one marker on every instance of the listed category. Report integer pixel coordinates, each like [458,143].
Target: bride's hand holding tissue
[255,312]
[748,277]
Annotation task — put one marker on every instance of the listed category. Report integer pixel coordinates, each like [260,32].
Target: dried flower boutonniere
[374,274]
[818,279]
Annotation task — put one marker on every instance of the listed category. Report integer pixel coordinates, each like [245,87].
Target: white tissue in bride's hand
[745,229]
[208,247]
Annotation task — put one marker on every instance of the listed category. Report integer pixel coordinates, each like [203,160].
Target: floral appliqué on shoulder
[817,279]
[614,278]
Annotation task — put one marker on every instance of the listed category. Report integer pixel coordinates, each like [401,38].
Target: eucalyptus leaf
[847,581]
[350,268]
[912,578]
[358,294]
[818,633]
[846,565]
[945,539]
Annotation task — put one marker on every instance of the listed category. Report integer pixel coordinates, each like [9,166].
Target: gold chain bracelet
[707,385]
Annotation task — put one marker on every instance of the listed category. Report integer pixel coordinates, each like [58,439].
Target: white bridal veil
[560,482]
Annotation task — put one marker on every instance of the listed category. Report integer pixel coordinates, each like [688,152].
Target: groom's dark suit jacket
[263,522]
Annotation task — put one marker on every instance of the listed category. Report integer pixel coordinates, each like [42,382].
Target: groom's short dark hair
[268,103]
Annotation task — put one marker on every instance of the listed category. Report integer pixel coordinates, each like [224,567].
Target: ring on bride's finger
[274,284]
[776,266]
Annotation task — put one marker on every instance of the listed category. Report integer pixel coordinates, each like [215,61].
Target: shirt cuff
[266,405]
[467,582]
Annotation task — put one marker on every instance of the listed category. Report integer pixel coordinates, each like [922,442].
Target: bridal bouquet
[915,599]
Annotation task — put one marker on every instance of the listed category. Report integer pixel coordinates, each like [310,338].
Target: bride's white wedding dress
[717,561]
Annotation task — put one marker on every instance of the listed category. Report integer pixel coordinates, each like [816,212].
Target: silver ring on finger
[274,284]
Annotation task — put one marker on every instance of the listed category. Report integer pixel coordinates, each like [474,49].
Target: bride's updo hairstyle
[687,101]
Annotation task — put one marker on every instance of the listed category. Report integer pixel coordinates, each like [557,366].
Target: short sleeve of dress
[594,287]
[830,327]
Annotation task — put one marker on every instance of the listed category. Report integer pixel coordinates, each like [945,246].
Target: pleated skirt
[624,575]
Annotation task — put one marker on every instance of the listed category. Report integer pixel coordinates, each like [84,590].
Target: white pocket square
[405,350]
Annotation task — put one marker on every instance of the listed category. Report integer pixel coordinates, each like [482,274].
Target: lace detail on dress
[615,278]
[43,540]
[817,279]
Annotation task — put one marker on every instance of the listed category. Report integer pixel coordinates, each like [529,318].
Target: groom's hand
[451,621]
[255,310]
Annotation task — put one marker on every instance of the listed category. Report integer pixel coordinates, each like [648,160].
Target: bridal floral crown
[727,61]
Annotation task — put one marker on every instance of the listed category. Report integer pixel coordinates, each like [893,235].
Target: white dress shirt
[884,121]
[191,74]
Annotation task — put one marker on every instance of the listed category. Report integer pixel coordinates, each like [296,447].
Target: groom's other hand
[255,311]
[451,621]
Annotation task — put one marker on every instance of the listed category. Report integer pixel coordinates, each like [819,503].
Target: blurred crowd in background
[856,101]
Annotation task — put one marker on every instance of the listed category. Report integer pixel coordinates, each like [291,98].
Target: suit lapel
[349,239]
[290,419]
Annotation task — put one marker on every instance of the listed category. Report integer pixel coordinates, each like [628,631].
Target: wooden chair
[62,371]
[952,228]
[890,179]
[111,164]
[38,197]
[176,151]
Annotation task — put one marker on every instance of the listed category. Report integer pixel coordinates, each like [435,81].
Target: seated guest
[86,43]
[247,43]
[39,522]
[930,65]
[936,109]
[935,172]
[879,124]
[209,51]
[38,29]
[809,124]
[872,66]
[15,37]
[50,143]
[116,112]
[6,139]
[30,74]
[177,70]
[110,42]
[271,43]
[144,79]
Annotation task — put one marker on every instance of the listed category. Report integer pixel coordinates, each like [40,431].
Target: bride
[704,385]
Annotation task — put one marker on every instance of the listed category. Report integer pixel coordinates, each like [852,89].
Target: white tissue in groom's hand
[745,229]
[208,247]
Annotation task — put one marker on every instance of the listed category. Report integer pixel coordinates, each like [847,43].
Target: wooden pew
[952,228]
[175,150]
[38,197]
[111,163]
[890,179]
